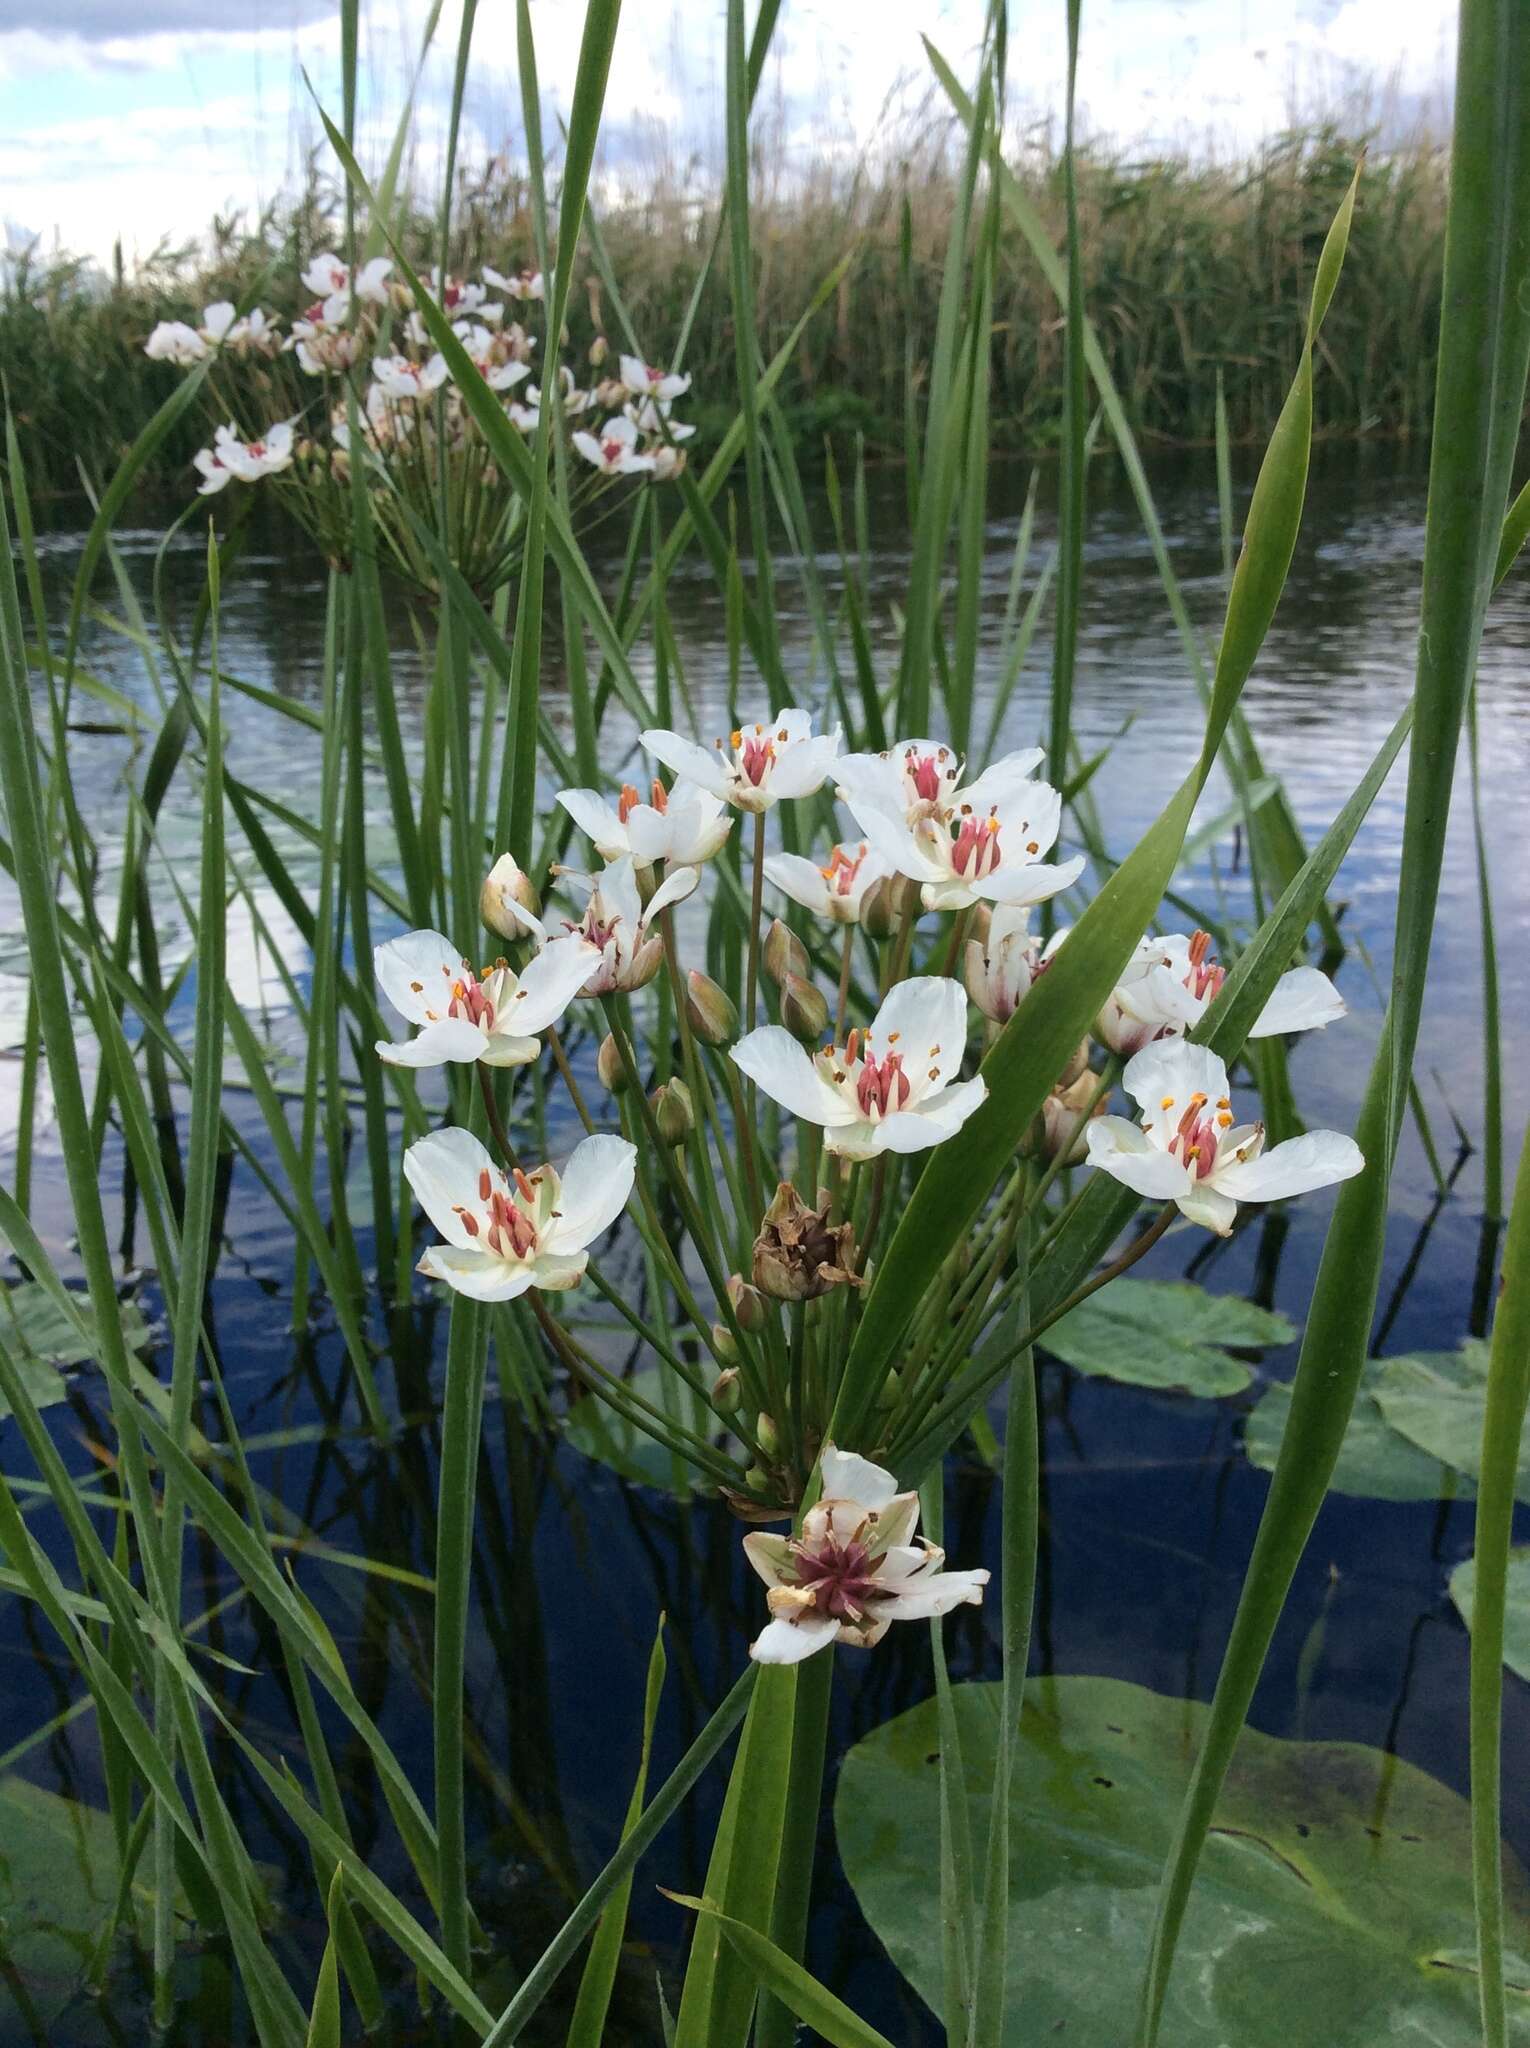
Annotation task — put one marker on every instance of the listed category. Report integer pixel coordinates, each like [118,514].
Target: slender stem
[898,959]
[1113,1271]
[959,926]
[878,1190]
[581,1108]
[842,1005]
[496,1122]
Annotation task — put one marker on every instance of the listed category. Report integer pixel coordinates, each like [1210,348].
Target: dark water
[1150,1505]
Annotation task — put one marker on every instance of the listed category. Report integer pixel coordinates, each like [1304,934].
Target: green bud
[878,916]
[709,1010]
[672,1111]
[727,1393]
[785,954]
[723,1344]
[611,1067]
[804,1010]
[748,1307]
[767,1435]
[758,1480]
[892,1388]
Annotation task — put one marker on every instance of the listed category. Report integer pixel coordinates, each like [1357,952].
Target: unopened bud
[799,1254]
[727,1391]
[646,962]
[672,1111]
[600,348]
[767,1436]
[509,904]
[785,953]
[878,916]
[1060,1128]
[611,1067]
[892,1388]
[759,1481]
[1078,1064]
[709,1010]
[723,1345]
[668,463]
[804,1009]
[749,1310]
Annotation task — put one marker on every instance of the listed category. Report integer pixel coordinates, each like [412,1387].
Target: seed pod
[709,1010]
[804,1009]
[798,1255]
[611,1067]
[749,1310]
[785,954]
[672,1111]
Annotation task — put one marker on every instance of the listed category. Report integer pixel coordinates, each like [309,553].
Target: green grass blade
[790,1983]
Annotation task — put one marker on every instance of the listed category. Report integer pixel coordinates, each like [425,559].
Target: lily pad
[1333,1902]
[1516,1620]
[1374,1461]
[58,1881]
[1436,1399]
[40,1340]
[1165,1333]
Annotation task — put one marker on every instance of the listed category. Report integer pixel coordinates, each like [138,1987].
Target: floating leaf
[41,1339]
[1164,1333]
[1436,1399]
[1336,1880]
[1375,1462]
[1516,1623]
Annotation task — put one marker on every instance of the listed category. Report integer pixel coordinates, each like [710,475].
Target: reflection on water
[1149,1503]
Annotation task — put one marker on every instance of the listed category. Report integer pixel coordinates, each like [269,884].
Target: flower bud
[646,962]
[892,1388]
[1060,1127]
[1077,1064]
[600,348]
[748,1309]
[758,1480]
[509,904]
[723,1344]
[878,915]
[804,1009]
[785,953]
[767,1436]
[672,1111]
[709,1010]
[798,1255]
[611,1067]
[727,1391]
[668,463]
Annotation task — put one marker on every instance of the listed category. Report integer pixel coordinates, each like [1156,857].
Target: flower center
[882,1086]
[927,773]
[975,850]
[613,450]
[1198,1134]
[468,1000]
[842,1577]
[842,870]
[502,1221]
[1205,977]
[755,753]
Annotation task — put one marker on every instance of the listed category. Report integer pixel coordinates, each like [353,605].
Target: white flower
[325,274]
[218,323]
[652,416]
[1001,967]
[614,450]
[644,381]
[508,1232]
[229,459]
[834,892]
[174,342]
[398,377]
[1188,1149]
[322,348]
[525,418]
[495,1019]
[508,902]
[888,1088]
[616,923]
[458,295]
[856,1567]
[499,370]
[779,757]
[330,282]
[923,779]
[684,825]
[1168,984]
[524,284]
[967,854]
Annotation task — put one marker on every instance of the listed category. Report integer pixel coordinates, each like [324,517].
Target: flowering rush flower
[888,1088]
[464,1017]
[1168,984]
[1001,966]
[761,763]
[1189,1150]
[963,853]
[399,377]
[616,924]
[643,380]
[229,458]
[614,450]
[919,779]
[835,891]
[507,1232]
[521,284]
[683,825]
[173,341]
[330,282]
[856,1567]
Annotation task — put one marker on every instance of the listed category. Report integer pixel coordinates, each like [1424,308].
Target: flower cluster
[356,376]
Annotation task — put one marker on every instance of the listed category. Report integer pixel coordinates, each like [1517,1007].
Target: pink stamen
[882,1086]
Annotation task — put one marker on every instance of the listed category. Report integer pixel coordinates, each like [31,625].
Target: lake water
[1150,1503]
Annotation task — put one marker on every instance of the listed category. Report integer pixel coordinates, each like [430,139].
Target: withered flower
[799,1254]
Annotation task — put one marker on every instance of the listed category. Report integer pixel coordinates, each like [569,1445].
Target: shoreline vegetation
[1192,277]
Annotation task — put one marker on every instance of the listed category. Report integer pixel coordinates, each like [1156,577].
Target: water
[1150,1504]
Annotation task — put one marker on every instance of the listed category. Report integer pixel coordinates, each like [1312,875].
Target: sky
[141,119]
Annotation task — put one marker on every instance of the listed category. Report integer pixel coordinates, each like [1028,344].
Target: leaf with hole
[1165,1333]
[1335,1884]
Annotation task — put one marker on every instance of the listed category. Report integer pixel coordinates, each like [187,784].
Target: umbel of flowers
[780,1140]
[351,378]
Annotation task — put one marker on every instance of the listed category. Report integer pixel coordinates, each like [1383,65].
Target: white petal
[788,1642]
[650,834]
[935,1593]
[549,984]
[505,1049]
[675,887]
[847,1475]
[596,1184]
[930,1123]
[479,1275]
[903,1561]
[705,766]
[450,1041]
[896,1523]
[871,779]
[1163,1077]
[1206,1205]
[597,819]
[1034,882]
[924,1019]
[556,1272]
[800,879]
[444,1168]
[1294,1168]
[1133,1159]
[769,1554]
[1001,784]
[802,767]
[1303,1000]
[773,1058]
[415,972]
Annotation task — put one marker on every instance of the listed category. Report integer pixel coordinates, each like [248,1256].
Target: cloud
[111,21]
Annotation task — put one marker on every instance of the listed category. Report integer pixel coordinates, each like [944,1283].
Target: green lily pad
[1436,1399]
[41,1341]
[1374,1461]
[1516,1620]
[58,1882]
[1165,1333]
[1333,1901]
[596,1428]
